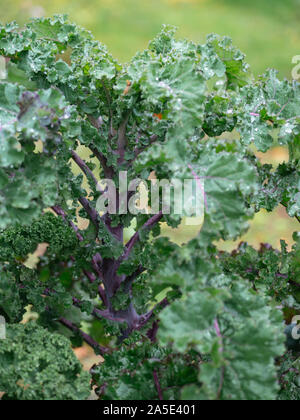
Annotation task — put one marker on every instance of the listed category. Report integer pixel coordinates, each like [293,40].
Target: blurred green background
[268,31]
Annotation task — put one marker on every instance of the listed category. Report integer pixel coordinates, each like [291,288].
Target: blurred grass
[268,31]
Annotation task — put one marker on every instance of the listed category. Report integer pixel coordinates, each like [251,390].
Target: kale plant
[171,322]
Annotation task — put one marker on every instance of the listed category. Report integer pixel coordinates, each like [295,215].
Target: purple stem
[136,237]
[90,276]
[97,263]
[97,313]
[152,333]
[108,171]
[89,340]
[218,331]
[84,167]
[130,279]
[157,385]
[161,305]
[122,140]
[93,215]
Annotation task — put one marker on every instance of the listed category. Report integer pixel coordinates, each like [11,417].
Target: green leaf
[187,322]
[36,364]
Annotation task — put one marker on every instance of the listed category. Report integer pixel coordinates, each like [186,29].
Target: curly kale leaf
[134,373]
[38,365]
[289,377]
